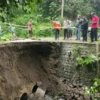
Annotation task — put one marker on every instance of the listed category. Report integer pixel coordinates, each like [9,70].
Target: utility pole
[62,9]
[97,53]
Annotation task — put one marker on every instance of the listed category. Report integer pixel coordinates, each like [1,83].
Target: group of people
[57,26]
[82,25]
[67,26]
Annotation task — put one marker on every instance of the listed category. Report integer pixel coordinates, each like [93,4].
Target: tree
[72,8]
[9,8]
[62,9]
[6,3]
[96,5]
[77,7]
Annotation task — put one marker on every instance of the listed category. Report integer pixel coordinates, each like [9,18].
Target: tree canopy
[51,8]
[6,3]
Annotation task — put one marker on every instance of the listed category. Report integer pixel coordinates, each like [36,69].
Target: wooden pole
[62,9]
[97,52]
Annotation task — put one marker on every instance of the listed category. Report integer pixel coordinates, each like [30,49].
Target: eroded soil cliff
[22,65]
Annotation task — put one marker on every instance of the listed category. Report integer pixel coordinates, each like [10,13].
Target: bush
[41,28]
[21,33]
[43,33]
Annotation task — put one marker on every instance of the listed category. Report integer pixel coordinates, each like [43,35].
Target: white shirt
[65,24]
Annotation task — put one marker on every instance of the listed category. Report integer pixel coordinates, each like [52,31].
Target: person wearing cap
[94,27]
[57,27]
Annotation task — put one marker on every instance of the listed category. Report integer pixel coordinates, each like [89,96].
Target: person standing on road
[66,25]
[12,28]
[30,29]
[94,27]
[78,28]
[57,27]
[71,25]
[84,28]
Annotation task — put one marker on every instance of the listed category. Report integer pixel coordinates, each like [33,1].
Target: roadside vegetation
[19,12]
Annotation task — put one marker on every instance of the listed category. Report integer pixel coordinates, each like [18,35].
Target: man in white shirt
[65,25]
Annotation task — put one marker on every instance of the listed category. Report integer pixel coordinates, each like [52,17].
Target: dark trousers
[70,33]
[94,34]
[84,34]
[66,34]
[57,31]
[30,33]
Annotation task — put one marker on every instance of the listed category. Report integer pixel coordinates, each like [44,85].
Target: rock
[61,99]
[40,93]
[30,96]
[47,97]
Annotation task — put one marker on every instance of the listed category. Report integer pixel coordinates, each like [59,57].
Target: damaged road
[22,65]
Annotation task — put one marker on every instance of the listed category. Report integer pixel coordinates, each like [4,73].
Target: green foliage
[21,33]
[7,3]
[41,28]
[76,51]
[74,8]
[94,89]
[91,59]
[88,62]
[23,19]
[50,10]
[12,8]
[53,10]
[80,61]
[43,33]
[6,37]
[21,11]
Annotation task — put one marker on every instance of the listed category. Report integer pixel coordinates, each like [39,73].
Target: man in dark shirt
[84,28]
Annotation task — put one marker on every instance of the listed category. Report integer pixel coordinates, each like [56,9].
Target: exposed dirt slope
[21,66]
[24,64]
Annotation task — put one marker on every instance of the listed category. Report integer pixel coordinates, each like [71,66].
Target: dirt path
[50,39]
